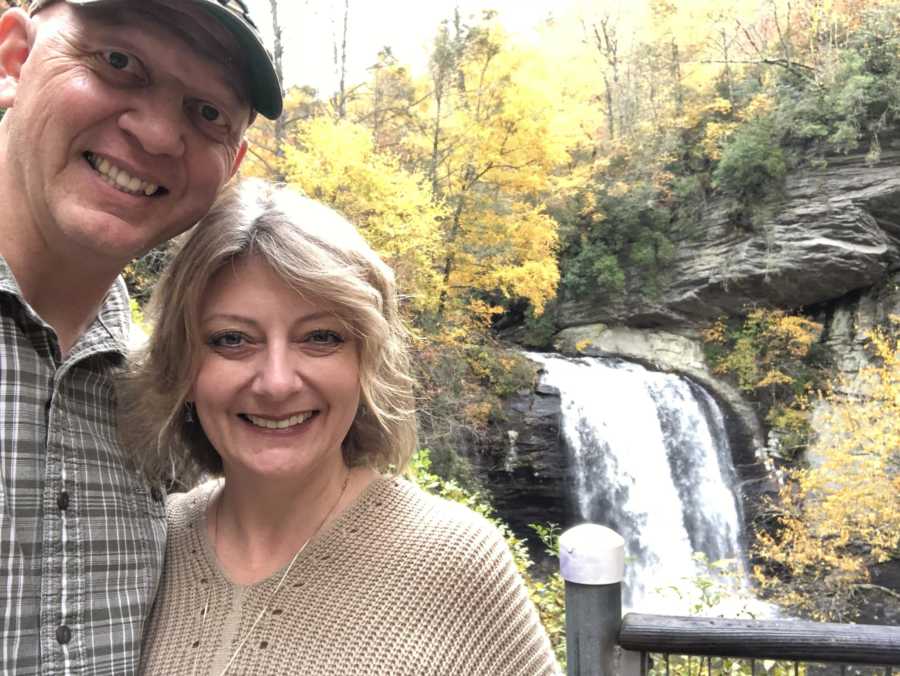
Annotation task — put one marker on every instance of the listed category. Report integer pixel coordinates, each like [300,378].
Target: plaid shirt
[81,537]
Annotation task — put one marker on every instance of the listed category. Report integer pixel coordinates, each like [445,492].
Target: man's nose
[157,121]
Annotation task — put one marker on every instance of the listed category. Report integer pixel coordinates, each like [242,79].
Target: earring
[189,411]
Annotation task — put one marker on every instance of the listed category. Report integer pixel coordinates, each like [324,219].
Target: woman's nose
[278,375]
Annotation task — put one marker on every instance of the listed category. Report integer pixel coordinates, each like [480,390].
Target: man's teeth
[121,179]
[278,424]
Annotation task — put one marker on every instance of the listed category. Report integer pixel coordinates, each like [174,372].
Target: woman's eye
[227,339]
[325,337]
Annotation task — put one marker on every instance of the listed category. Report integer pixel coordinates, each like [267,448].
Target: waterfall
[651,461]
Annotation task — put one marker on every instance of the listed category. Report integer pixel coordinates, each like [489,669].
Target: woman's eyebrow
[241,319]
[228,317]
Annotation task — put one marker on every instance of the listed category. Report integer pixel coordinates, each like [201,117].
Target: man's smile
[121,179]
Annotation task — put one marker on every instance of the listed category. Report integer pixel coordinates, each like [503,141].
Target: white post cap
[592,554]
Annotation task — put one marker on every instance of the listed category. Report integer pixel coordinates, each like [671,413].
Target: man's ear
[239,158]
[15,45]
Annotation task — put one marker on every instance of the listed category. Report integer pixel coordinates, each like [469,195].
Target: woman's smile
[281,423]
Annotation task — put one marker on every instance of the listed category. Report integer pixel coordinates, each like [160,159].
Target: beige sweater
[401,582]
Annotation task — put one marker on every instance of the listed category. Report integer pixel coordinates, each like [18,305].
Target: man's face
[125,125]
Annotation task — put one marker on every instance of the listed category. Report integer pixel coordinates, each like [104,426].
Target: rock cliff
[526,465]
[831,246]
[834,230]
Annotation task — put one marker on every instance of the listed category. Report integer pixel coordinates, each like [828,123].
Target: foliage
[620,234]
[714,583]
[549,595]
[770,355]
[841,515]
[855,96]
[336,162]
[462,380]
[141,274]
[540,329]
[549,592]
[675,665]
[706,99]
[752,163]
[492,153]
[137,315]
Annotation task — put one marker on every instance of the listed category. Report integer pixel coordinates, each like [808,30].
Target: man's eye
[121,61]
[117,60]
[210,114]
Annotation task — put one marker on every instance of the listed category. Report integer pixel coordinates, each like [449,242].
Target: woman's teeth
[282,424]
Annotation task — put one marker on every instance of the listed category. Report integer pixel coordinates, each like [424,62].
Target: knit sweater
[401,582]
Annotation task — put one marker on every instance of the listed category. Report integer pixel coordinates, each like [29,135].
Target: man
[124,119]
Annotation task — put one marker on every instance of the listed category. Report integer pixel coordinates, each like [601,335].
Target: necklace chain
[284,576]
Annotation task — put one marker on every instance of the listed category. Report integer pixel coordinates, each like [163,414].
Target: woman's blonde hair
[320,255]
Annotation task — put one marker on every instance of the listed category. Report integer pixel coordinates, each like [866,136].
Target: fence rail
[592,564]
[762,639]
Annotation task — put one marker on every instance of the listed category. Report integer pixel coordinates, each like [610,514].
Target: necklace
[284,576]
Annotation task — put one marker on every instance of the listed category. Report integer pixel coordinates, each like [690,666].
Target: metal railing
[600,642]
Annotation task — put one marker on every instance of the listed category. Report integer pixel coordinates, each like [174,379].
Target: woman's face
[278,383]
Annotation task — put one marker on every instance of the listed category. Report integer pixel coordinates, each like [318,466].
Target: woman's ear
[15,46]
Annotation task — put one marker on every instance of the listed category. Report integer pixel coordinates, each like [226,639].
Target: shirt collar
[114,318]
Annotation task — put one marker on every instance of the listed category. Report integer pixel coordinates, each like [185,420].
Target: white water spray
[652,462]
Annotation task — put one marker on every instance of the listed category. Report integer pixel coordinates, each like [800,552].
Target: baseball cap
[265,89]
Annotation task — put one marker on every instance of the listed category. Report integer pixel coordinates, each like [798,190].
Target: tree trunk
[340,64]
[448,261]
[280,124]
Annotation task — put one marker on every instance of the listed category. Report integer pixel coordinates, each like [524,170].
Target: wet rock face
[849,320]
[834,230]
[525,464]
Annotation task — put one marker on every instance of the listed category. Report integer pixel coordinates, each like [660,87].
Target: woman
[279,362]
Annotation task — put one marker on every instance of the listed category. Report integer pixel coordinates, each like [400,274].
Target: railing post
[592,562]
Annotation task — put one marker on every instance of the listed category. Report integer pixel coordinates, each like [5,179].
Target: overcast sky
[407,26]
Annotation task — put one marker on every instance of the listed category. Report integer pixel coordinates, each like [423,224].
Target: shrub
[770,355]
[752,163]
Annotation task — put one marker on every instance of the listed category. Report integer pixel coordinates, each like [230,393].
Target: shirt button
[62,500]
[63,634]
[156,494]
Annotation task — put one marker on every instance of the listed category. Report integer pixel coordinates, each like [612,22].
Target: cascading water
[652,462]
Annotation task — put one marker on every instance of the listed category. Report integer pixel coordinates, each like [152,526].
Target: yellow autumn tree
[841,515]
[265,158]
[490,150]
[335,161]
